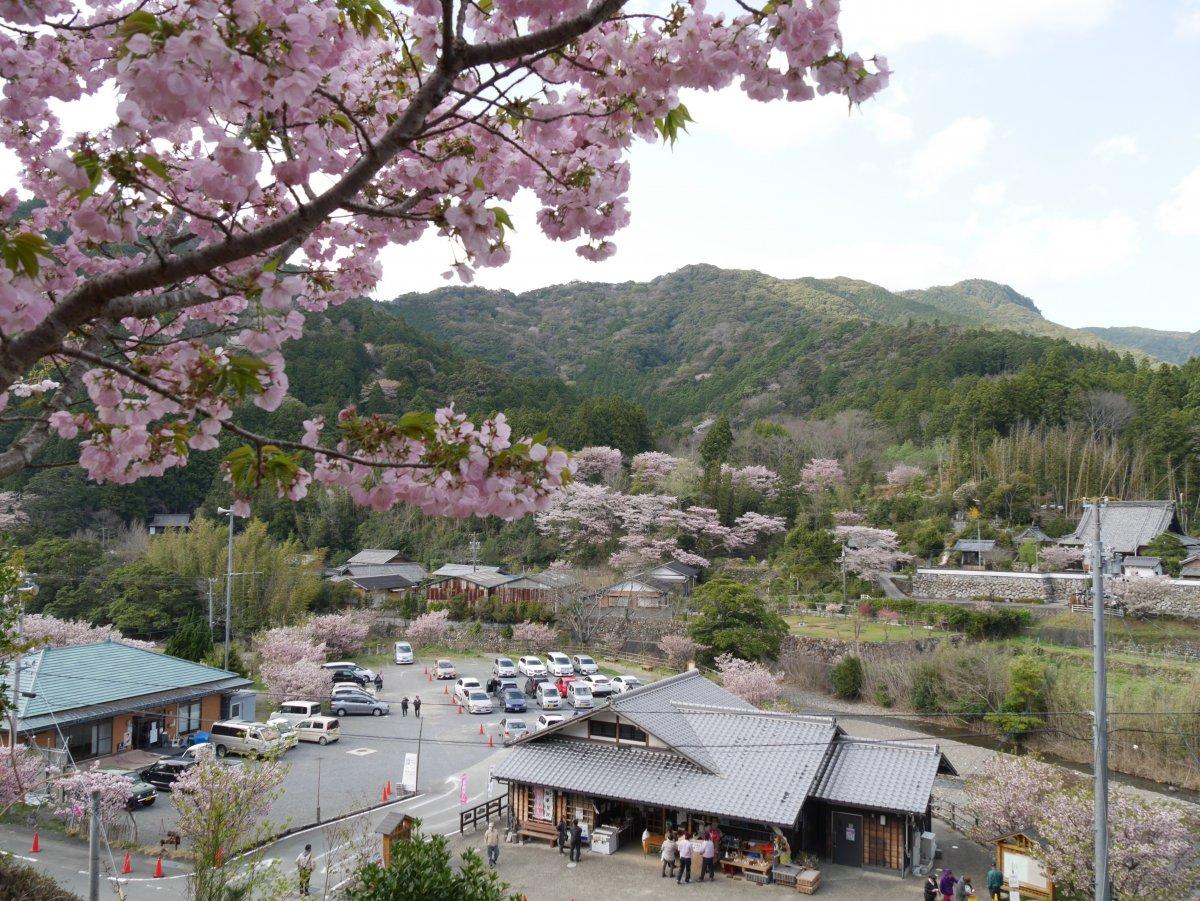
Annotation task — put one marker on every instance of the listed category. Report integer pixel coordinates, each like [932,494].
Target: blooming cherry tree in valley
[74,797]
[652,467]
[537,636]
[429,628]
[20,772]
[758,479]
[902,475]
[678,648]
[43,629]
[342,633]
[293,680]
[821,474]
[600,463]
[868,551]
[752,682]
[288,644]
[1059,556]
[262,156]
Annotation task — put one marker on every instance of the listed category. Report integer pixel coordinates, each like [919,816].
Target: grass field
[872,630]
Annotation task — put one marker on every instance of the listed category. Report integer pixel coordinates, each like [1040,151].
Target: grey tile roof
[171,520]
[414,572]
[682,568]
[979,545]
[1134,560]
[728,758]
[1125,526]
[459,569]
[884,776]
[554,579]
[375,555]
[386,582]
[481,577]
[1033,533]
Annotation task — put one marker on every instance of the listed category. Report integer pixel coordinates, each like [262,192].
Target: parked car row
[556,664]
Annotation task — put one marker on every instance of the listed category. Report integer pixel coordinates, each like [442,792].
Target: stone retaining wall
[1147,597]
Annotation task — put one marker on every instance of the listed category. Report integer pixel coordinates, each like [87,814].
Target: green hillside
[704,340]
[1174,347]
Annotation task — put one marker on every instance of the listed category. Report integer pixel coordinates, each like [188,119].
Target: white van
[404,652]
[548,697]
[579,695]
[295,711]
[321,729]
[559,664]
[237,737]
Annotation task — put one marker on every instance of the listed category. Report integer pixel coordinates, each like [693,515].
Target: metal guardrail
[485,811]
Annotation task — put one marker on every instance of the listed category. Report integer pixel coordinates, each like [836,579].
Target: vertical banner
[462,788]
[409,779]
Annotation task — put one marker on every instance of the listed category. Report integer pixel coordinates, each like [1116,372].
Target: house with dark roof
[471,584]
[161,523]
[377,557]
[1127,527]
[685,753]
[99,699]
[1189,567]
[674,573]
[378,574]
[1141,567]
[638,597]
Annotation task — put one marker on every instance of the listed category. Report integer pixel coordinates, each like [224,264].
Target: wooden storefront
[859,837]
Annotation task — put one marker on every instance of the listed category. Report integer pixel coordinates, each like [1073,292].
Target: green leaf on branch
[242,463]
[154,164]
[139,22]
[674,122]
[23,251]
[416,425]
[503,220]
[90,163]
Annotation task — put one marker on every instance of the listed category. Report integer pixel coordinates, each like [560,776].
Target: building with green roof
[104,698]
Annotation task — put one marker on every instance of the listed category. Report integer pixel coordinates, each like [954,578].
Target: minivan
[404,652]
[559,664]
[579,694]
[321,729]
[346,704]
[236,737]
[548,697]
[295,711]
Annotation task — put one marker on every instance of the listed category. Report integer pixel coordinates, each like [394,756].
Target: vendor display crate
[759,878]
[808,882]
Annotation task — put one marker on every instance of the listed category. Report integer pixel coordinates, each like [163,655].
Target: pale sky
[1050,144]
[1053,145]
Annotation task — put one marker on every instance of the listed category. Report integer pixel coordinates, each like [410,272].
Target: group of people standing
[416,706]
[570,839]
[679,849]
[948,887]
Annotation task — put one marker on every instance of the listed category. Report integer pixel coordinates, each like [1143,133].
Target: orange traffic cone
[481,728]
[428,677]
[37,845]
[220,857]
[460,710]
[445,689]
[427,671]
[126,867]
[158,869]
[490,743]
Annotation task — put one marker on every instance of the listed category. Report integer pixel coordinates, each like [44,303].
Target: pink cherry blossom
[599,463]
[429,628]
[50,631]
[752,682]
[679,649]
[902,474]
[821,474]
[653,467]
[535,636]
[262,159]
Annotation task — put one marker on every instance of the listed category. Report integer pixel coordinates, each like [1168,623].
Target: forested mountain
[705,340]
[1174,347]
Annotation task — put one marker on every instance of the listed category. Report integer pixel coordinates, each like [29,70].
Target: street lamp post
[30,588]
[228,579]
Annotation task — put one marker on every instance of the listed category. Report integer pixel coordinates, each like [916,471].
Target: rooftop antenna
[474,550]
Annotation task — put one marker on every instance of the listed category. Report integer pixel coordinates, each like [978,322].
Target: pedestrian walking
[491,839]
[963,890]
[404,706]
[715,834]
[304,868]
[946,884]
[564,832]
[708,862]
[379,681]
[685,859]
[669,850]
[931,887]
[576,842]
[417,706]
[995,882]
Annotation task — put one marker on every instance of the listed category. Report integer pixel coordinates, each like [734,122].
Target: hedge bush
[847,677]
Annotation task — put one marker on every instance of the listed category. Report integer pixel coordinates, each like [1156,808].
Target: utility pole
[30,588]
[94,849]
[228,581]
[1100,714]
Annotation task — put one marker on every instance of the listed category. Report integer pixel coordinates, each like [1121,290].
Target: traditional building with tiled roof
[685,753]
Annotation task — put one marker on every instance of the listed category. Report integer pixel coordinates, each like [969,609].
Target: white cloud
[990,26]
[990,194]
[890,126]
[752,125]
[954,149]
[1179,214]
[1187,20]
[1051,249]
[1116,147]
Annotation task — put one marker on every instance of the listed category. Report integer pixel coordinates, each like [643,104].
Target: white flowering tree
[537,636]
[221,810]
[429,628]
[601,464]
[44,630]
[679,649]
[750,681]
